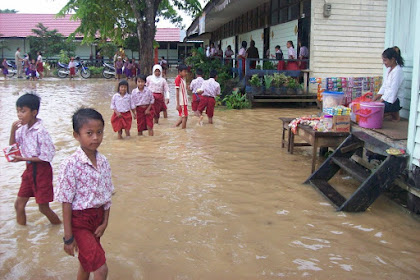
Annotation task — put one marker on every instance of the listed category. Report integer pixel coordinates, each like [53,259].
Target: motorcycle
[109,71]
[12,69]
[63,70]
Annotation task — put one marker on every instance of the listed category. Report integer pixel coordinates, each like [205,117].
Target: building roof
[21,25]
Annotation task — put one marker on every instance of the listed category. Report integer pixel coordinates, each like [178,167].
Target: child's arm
[148,109]
[101,229]
[177,99]
[15,126]
[68,232]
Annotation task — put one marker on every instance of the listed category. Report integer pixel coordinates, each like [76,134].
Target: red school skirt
[208,103]
[84,223]
[159,104]
[73,71]
[143,120]
[123,122]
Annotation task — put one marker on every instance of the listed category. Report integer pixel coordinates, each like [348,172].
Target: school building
[15,28]
[345,39]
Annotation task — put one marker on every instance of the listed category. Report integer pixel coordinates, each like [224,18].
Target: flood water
[220,201]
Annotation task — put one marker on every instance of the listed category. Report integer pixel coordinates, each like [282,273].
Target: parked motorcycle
[81,68]
[12,69]
[109,71]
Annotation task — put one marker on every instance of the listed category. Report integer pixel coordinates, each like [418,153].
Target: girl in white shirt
[392,86]
[291,53]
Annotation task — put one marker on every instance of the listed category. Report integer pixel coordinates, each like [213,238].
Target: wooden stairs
[373,183]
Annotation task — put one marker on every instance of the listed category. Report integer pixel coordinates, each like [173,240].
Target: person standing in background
[303,54]
[18,62]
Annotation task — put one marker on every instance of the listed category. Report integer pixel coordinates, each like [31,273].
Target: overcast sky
[54,6]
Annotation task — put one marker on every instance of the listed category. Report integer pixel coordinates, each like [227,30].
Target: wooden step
[328,191]
[355,170]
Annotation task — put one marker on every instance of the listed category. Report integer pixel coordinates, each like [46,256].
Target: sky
[54,6]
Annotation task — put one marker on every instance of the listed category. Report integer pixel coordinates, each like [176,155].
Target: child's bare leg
[184,122]
[150,130]
[178,123]
[20,205]
[82,274]
[156,120]
[120,134]
[101,273]
[210,120]
[45,209]
[165,114]
[127,132]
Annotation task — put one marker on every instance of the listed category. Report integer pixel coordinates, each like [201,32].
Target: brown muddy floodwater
[220,201]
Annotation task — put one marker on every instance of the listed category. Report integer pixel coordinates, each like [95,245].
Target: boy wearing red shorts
[210,89]
[37,149]
[194,87]
[181,96]
[85,189]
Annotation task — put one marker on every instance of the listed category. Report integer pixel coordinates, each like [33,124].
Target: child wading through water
[85,189]
[72,67]
[181,96]
[37,150]
[142,99]
[194,86]
[5,68]
[118,67]
[160,89]
[32,68]
[121,104]
[210,89]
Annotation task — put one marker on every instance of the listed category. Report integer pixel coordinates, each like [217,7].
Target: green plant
[292,83]
[255,81]
[258,67]
[268,79]
[236,100]
[279,80]
[268,65]
[95,70]
[64,57]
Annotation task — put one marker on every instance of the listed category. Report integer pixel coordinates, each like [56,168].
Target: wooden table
[317,140]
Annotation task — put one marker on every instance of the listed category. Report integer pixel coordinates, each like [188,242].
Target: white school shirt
[392,86]
[291,52]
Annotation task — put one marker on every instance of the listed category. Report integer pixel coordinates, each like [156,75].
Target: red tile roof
[21,25]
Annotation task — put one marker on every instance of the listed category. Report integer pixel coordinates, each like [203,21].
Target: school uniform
[5,68]
[72,67]
[39,65]
[37,177]
[89,190]
[123,105]
[118,67]
[183,96]
[194,86]
[207,101]
[141,101]
[159,87]
[292,65]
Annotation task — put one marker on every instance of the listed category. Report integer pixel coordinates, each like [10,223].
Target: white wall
[281,33]
[257,36]
[228,41]
[350,42]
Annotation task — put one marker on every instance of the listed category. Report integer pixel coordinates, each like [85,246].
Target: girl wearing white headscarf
[160,89]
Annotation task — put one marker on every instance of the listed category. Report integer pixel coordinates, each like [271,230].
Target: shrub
[95,70]
[268,79]
[255,81]
[236,100]
[279,80]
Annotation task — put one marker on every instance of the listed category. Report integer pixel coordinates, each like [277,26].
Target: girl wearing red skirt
[143,100]
[121,104]
[160,89]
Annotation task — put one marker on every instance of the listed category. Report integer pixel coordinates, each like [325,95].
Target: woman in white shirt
[392,86]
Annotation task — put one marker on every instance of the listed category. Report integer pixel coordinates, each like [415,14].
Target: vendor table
[316,139]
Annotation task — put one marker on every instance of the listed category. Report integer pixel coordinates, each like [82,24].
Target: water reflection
[212,202]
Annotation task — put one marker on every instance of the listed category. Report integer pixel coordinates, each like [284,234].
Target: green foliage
[268,79]
[8,11]
[268,65]
[279,80]
[255,81]
[292,83]
[3,44]
[49,42]
[236,100]
[95,70]
[64,57]
[108,49]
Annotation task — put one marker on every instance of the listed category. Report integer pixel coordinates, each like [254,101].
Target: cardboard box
[341,124]
[11,151]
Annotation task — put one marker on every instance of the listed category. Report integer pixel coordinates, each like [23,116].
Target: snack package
[11,151]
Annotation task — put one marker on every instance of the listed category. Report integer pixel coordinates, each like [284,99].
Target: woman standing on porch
[392,86]
[242,55]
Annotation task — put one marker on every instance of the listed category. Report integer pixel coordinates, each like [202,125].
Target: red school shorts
[194,103]
[37,182]
[73,71]
[84,223]
[208,103]
[143,120]
[183,111]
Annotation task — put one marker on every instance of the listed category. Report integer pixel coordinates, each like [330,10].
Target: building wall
[228,41]
[257,36]
[13,44]
[350,42]
[281,33]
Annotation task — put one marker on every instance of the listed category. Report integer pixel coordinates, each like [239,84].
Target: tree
[49,42]
[116,20]
[7,11]
[3,45]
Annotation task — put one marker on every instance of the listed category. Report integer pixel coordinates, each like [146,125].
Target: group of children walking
[151,96]
[84,184]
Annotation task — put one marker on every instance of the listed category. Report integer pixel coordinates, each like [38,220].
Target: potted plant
[268,79]
[256,84]
[278,83]
[292,85]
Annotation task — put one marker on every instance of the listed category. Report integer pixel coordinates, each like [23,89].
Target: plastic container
[371,114]
[328,121]
[332,99]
